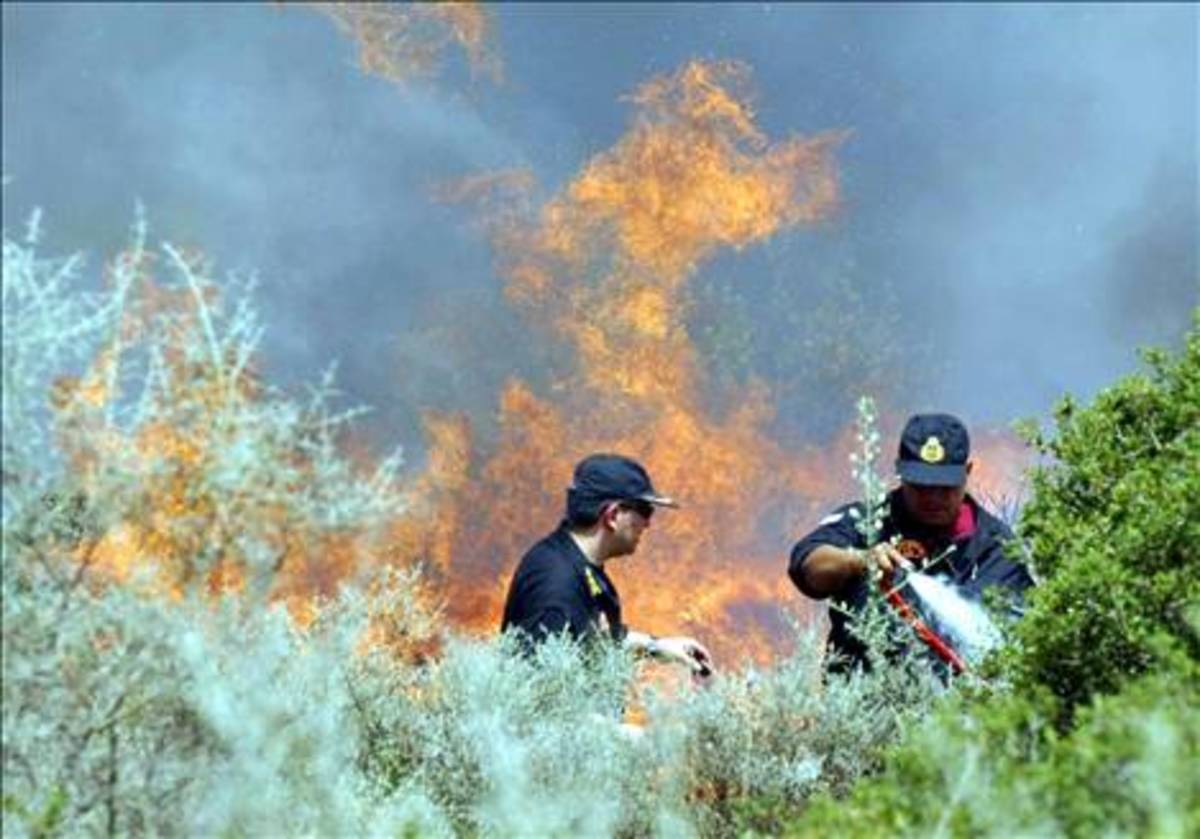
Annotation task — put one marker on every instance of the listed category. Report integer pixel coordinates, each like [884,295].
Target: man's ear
[970,466]
[608,514]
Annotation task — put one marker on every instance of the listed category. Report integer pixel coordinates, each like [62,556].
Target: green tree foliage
[1001,768]
[1114,525]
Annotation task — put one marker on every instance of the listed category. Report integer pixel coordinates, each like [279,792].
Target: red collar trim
[964,525]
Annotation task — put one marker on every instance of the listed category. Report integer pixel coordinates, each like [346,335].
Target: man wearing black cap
[560,584]
[930,523]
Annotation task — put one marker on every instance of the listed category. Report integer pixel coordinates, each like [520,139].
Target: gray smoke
[1020,186]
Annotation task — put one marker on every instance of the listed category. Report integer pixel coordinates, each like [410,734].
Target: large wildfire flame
[602,267]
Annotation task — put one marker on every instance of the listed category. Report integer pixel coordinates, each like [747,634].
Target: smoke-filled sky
[1018,207]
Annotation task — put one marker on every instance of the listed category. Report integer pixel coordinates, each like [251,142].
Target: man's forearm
[828,569]
[640,642]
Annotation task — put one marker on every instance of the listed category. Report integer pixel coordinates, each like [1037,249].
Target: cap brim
[932,474]
[659,500]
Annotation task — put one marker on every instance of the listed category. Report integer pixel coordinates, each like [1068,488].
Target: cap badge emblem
[932,451]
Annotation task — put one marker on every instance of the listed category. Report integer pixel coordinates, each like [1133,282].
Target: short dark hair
[582,519]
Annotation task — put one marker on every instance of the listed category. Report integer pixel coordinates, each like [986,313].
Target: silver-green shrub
[507,745]
[123,710]
[135,715]
[144,692]
[127,714]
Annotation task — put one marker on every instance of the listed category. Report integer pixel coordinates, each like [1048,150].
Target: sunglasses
[643,508]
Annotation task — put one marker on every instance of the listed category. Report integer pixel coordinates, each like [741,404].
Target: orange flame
[605,265]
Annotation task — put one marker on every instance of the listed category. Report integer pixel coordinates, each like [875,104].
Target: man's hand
[686,651]
[884,559]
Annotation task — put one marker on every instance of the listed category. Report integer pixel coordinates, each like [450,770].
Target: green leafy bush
[1114,526]
[1128,768]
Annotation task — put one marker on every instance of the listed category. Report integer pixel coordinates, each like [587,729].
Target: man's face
[933,506]
[627,520]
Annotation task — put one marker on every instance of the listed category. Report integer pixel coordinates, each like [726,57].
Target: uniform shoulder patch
[593,584]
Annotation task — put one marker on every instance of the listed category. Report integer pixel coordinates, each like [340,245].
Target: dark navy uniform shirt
[973,560]
[556,588]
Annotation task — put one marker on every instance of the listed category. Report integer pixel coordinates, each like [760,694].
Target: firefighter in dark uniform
[930,524]
[560,584]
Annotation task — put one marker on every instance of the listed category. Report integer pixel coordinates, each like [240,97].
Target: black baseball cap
[933,451]
[611,477]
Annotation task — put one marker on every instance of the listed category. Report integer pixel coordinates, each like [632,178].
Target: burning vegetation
[210,480]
